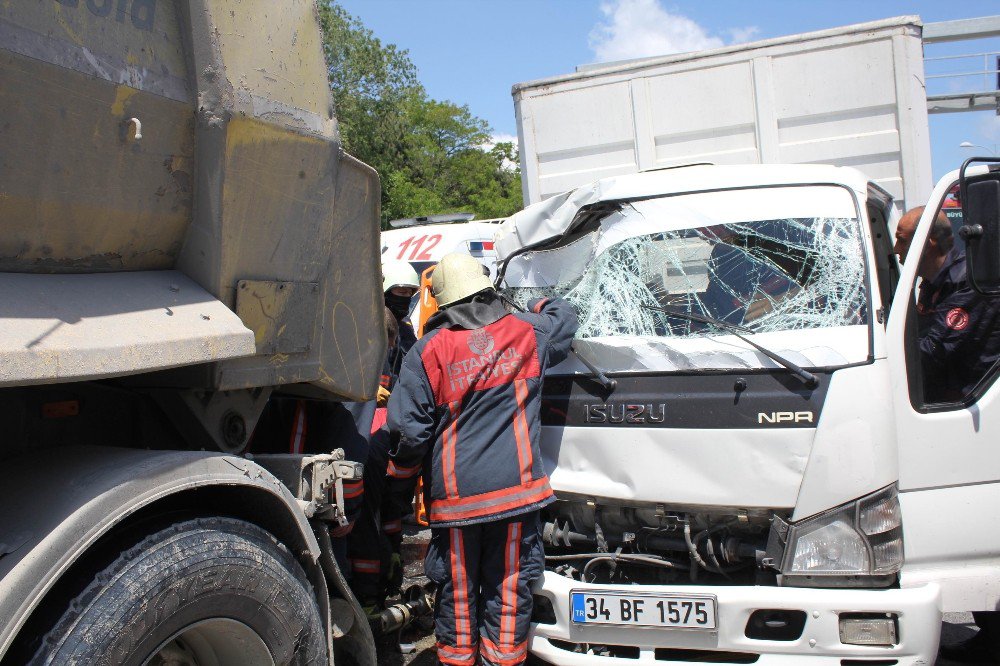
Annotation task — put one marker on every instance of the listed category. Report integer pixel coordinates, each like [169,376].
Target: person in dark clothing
[466,412]
[908,225]
[959,332]
[400,284]
[959,341]
[959,337]
[369,552]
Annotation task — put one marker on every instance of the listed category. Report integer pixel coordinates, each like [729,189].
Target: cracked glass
[768,275]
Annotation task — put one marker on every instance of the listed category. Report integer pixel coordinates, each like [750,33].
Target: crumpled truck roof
[550,218]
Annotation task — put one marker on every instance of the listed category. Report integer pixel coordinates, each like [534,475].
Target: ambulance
[422,241]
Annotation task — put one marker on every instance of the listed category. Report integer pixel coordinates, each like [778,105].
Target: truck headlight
[864,537]
[829,544]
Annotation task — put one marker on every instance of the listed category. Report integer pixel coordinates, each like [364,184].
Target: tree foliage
[432,155]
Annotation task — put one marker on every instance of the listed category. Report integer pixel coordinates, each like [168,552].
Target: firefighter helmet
[398,274]
[457,277]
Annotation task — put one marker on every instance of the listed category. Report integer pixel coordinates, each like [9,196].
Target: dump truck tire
[213,591]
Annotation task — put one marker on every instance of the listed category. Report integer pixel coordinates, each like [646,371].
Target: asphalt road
[957,627]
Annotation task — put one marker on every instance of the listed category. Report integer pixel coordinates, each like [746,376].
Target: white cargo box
[851,96]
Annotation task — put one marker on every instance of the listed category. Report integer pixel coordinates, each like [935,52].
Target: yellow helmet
[457,277]
[398,274]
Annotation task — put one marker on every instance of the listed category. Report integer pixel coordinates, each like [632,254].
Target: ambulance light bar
[447,218]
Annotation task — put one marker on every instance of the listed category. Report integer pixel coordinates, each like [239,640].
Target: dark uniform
[394,359]
[466,409]
[375,544]
[376,556]
[959,332]
[369,547]
[369,556]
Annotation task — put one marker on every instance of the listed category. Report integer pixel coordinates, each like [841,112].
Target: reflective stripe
[449,441]
[353,489]
[392,526]
[491,503]
[366,566]
[521,433]
[508,590]
[400,472]
[459,656]
[381,416]
[504,656]
[460,594]
[298,438]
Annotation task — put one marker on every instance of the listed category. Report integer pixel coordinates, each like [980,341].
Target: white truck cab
[763,480]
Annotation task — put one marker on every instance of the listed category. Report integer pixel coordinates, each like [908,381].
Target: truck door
[880,214]
[942,348]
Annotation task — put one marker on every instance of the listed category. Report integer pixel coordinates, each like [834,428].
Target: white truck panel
[679,133]
[852,96]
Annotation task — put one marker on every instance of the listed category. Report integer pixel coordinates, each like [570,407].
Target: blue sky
[473,51]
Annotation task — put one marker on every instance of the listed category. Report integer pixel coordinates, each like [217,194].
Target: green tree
[373,86]
[430,154]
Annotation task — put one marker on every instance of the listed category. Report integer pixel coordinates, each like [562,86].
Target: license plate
[643,610]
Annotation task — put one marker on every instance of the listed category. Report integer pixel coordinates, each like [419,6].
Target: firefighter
[368,550]
[400,284]
[466,414]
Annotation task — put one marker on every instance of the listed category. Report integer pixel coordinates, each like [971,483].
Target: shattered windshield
[768,275]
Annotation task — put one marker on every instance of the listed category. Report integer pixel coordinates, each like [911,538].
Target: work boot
[980,649]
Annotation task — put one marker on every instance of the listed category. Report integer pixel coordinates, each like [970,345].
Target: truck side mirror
[981,226]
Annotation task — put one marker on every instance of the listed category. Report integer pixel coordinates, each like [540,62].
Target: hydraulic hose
[419,601]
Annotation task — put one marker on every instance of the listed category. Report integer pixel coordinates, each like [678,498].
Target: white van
[422,241]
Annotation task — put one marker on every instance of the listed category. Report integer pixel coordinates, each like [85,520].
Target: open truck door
[943,341]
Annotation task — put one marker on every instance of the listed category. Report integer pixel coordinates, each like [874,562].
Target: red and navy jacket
[959,332]
[469,394]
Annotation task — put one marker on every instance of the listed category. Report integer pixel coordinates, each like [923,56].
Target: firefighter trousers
[484,574]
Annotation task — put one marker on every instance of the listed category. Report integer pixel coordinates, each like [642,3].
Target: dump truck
[183,240]
[754,457]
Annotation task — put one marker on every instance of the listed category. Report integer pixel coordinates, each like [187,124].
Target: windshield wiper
[808,378]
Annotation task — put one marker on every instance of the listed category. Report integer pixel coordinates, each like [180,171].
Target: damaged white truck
[756,472]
